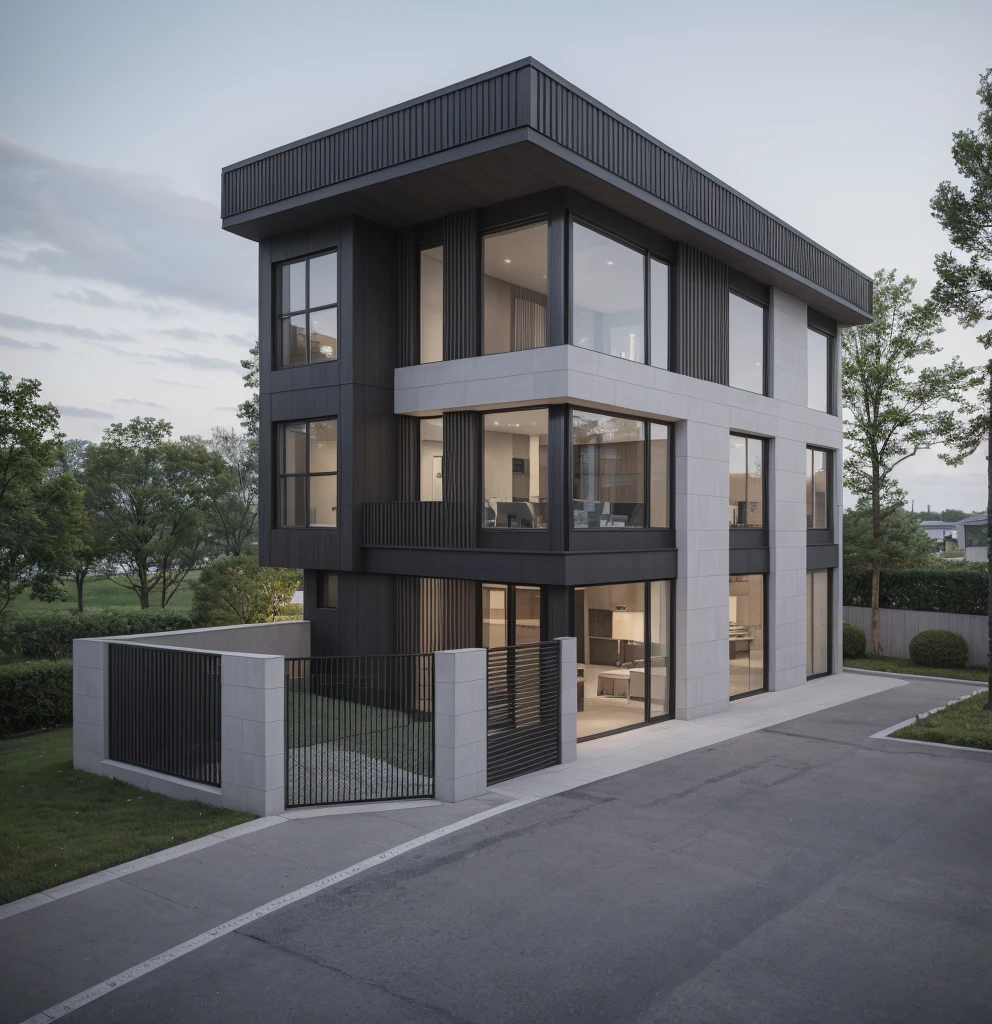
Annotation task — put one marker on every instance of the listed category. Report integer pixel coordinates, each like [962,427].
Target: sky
[121,293]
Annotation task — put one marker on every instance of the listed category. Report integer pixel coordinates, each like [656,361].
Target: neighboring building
[945,534]
[973,537]
[526,373]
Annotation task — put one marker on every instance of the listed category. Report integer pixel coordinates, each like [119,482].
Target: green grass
[104,593]
[57,824]
[903,666]
[966,723]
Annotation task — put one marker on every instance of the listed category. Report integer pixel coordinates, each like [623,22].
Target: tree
[894,408]
[949,515]
[234,590]
[39,509]
[964,280]
[902,543]
[232,511]
[88,552]
[249,411]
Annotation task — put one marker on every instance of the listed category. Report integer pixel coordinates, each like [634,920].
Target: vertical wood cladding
[557,271]
[702,317]
[409,298]
[437,614]
[408,458]
[462,336]
[462,481]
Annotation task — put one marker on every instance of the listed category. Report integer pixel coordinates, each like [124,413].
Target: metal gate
[524,709]
[359,728]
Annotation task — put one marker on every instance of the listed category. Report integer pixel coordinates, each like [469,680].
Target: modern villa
[528,373]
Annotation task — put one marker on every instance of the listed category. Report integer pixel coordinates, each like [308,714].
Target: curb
[910,676]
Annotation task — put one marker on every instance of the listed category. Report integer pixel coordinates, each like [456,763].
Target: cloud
[91,297]
[86,414]
[240,339]
[44,346]
[134,230]
[198,362]
[24,323]
[226,408]
[180,384]
[139,401]
[185,333]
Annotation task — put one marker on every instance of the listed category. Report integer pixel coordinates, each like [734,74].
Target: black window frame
[765,605]
[282,475]
[810,448]
[831,409]
[764,483]
[279,314]
[511,530]
[765,319]
[830,621]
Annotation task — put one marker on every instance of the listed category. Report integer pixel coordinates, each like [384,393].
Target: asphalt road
[804,873]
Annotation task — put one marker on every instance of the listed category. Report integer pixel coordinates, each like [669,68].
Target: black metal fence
[165,711]
[421,524]
[359,728]
[524,709]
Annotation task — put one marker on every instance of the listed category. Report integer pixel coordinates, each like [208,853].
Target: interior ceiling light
[506,260]
[609,263]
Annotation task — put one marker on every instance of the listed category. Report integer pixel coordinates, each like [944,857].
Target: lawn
[104,593]
[904,666]
[57,824]
[966,723]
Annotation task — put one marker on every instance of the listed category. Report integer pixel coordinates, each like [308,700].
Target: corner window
[608,471]
[307,311]
[817,489]
[327,590]
[515,289]
[431,304]
[747,481]
[819,379]
[308,473]
[515,459]
[747,344]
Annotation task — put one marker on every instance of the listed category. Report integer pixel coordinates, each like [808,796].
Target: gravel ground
[324,774]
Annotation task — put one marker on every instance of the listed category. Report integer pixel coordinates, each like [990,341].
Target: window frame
[278,315]
[830,621]
[765,577]
[323,579]
[763,306]
[831,339]
[764,483]
[281,475]
[514,530]
[810,448]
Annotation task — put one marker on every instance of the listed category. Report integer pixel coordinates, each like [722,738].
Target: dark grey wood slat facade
[702,320]
[461,334]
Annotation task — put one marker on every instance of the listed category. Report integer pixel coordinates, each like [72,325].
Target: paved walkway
[78,936]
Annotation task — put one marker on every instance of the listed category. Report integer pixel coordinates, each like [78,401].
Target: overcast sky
[121,293]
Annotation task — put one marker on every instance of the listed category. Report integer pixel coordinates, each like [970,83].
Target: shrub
[35,695]
[855,641]
[49,634]
[235,590]
[956,589]
[939,648]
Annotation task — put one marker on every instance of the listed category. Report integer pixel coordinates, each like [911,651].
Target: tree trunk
[80,580]
[876,578]
[876,572]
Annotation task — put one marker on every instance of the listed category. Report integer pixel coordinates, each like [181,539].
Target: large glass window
[307,310]
[747,344]
[431,304]
[817,622]
[817,489]
[624,655]
[515,461]
[607,471]
[308,473]
[658,460]
[515,289]
[747,634]
[607,295]
[510,614]
[659,317]
[747,481]
[431,459]
[818,376]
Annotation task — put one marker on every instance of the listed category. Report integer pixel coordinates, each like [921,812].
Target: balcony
[417,524]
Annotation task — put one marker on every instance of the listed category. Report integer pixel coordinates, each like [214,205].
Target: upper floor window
[307,310]
[308,473]
[515,474]
[747,344]
[431,304]
[817,489]
[515,289]
[819,364]
[747,481]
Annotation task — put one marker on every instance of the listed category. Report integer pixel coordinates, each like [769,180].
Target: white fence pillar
[90,706]
[459,724]
[569,699]
[252,733]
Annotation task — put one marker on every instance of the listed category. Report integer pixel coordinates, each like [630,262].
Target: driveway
[804,872]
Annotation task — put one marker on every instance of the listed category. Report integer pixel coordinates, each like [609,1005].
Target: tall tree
[894,407]
[902,544]
[964,276]
[88,552]
[249,410]
[232,512]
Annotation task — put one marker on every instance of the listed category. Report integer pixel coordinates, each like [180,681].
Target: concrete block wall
[569,699]
[460,699]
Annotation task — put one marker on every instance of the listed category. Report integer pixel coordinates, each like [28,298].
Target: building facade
[527,373]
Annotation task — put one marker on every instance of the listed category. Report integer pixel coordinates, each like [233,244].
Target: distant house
[973,537]
[942,533]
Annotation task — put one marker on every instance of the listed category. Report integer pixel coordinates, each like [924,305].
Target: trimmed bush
[855,641]
[939,648]
[35,695]
[49,634]
[961,590]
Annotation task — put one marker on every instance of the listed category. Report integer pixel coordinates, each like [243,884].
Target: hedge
[958,591]
[49,634]
[35,695]
[939,648]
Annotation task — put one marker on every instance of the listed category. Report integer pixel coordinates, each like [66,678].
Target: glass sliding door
[817,622]
[747,634]
[510,615]
[660,703]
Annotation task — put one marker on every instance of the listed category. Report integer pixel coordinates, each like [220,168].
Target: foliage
[249,409]
[232,509]
[963,723]
[902,543]
[904,667]
[855,641]
[49,634]
[234,590]
[939,648]
[953,590]
[35,695]
[949,515]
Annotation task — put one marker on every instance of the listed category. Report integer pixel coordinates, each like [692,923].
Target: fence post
[90,705]
[459,724]
[569,699]
[252,731]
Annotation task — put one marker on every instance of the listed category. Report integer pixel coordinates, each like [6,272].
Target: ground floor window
[817,622]
[510,615]
[747,635]
[623,650]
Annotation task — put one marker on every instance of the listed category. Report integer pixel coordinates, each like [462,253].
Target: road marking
[139,970]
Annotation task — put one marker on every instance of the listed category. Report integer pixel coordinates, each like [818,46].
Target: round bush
[939,648]
[855,641]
